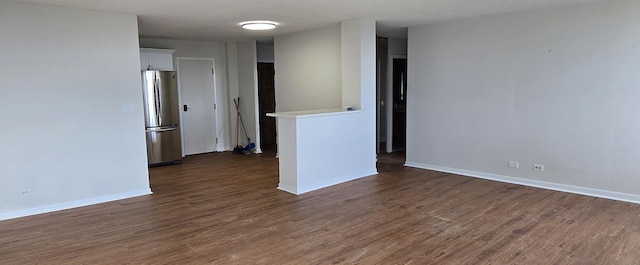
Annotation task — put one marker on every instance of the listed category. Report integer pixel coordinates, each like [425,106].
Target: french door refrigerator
[162,117]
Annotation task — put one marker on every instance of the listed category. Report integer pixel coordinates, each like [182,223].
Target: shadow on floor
[391,161]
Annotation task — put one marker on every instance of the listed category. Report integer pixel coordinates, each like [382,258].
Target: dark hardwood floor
[222,208]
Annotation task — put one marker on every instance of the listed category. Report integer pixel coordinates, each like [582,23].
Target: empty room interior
[320,132]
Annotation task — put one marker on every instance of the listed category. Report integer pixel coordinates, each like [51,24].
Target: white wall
[397,46]
[308,72]
[264,52]
[557,87]
[358,45]
[304,138]
[243,74]
[351,48]
[201,49]
[234,90]
[67,77]
[311,147]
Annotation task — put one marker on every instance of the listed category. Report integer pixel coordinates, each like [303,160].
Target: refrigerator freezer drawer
[163,146]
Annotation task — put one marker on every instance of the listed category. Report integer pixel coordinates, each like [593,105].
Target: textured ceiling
[217,20]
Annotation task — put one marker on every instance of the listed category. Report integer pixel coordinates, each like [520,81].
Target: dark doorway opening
[399,88]
[266,104]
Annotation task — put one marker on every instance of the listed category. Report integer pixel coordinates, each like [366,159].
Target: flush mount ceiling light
[259,25]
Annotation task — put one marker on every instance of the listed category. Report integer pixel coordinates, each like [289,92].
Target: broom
[239,148]
[250,145]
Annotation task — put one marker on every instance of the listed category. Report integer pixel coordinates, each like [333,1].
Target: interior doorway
[266,104]
[397,109]
[391,87]
[391,83]
[196,82]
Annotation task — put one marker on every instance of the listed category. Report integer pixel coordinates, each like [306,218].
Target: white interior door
[198,105]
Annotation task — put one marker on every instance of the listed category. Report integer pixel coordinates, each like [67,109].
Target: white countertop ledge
[312,113]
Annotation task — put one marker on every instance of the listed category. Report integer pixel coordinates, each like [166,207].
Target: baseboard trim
[287,188]
[613,195]
[73,204]
[317,186]
[224,149]
[332,182]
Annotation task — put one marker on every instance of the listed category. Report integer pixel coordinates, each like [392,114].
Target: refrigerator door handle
[156,94]
[162,129]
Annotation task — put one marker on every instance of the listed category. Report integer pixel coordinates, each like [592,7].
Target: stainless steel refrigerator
[162,117]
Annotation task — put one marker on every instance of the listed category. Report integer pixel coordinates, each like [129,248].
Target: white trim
[332,182]
[217,108]
[196,58]
[287,188]
[73,204]
[378,99]
[180,107]
[256,102]
[157,50]
[316,186]
[613,195]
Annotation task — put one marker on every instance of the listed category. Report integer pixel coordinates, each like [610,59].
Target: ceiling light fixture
[259,25]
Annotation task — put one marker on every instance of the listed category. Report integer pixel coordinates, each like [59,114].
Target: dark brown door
[267,104]
[399,103]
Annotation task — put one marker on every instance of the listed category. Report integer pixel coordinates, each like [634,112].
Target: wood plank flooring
[223,208]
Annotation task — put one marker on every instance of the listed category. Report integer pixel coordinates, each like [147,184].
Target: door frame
[379,100]
[215,101]
[389,105]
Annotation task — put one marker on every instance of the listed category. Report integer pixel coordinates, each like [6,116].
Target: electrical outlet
[24,192]
[514,164]
[538,167]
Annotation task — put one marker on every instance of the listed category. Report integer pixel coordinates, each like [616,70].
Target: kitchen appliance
[162,117]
